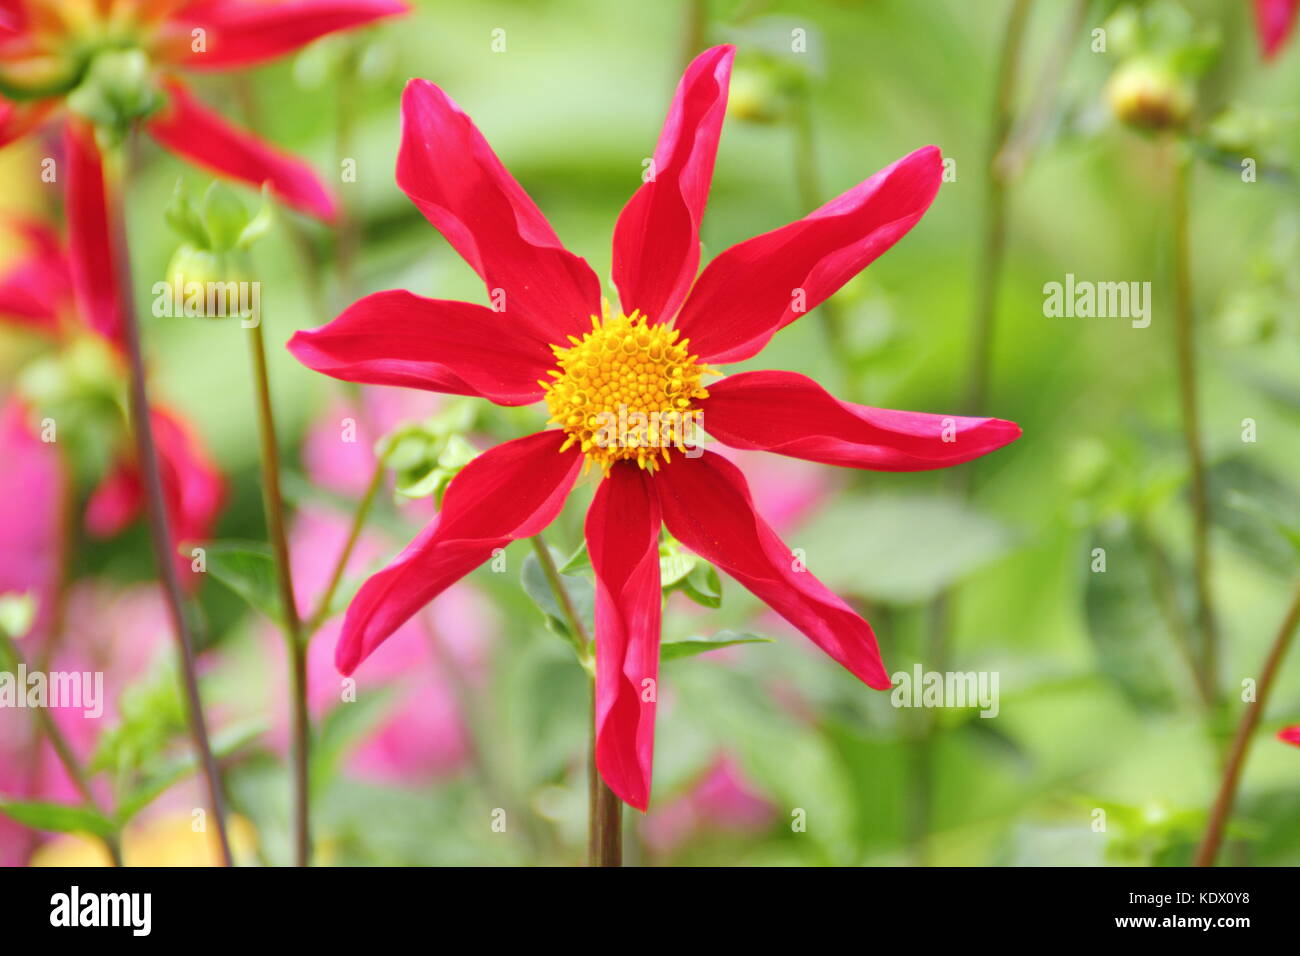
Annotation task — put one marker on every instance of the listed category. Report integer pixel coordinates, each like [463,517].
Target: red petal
[623,541]
[241,33]
[706,505]
[511,491]
[197,133]
[657,239]
[396,338]
[792,415]
[90,249]
[38,287]
[451,174]
[17,120]
[754,289]
[1290,735]
[115,502]
[193,490]
[1274,21]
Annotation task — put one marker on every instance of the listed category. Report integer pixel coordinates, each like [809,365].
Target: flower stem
[147,458]
[808,183]
[1185,346]
[988,280]
[1222,810]
[993,243]
[604,809]
[62,749]
[354,533]
[296,646]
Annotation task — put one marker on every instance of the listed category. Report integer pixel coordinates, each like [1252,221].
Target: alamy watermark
[946,689]
[1085,299]
[176,298]
[24,688]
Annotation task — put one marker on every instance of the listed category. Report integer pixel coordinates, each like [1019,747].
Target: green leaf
[247,568]
[702,585]
[675,650]
[580,560]
[674,563]
[1123,619]
[57,818]
[911,548]
[342,727]
[581,594]
[225,742]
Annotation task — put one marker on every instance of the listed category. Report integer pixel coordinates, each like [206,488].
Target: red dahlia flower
[552,339]
[47,49]
[1274,21]
[37,293]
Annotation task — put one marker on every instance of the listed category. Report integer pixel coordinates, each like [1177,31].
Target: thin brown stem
[354,533]
[296,646]
[604,808]
[1185,351]
[159,524]
[1222,810]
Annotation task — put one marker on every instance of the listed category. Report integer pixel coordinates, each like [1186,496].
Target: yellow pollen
[626,391]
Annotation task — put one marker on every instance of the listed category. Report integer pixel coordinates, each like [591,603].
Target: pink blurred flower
[1274,21]
[33,485]
[119,632]
[1290,735]
[723,801]
[339,450]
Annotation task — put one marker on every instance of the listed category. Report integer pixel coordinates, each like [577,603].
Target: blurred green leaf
[581,594]
[909,550]
[57,818]
[226,742]
[676,650]
[340,729]
[248,569]
[1123,618]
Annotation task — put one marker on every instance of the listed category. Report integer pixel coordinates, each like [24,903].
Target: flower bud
[1149,95]
[118,89]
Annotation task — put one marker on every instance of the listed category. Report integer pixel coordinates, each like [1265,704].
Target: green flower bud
[117,90]
[1147,94]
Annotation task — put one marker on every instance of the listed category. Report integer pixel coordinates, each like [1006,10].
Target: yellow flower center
[626,391]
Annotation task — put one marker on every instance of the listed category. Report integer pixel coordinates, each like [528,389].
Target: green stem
[1185,351]
[604,808]
[296,646]
[988,273]
[159,526]
[809,186]
[62,749]
[354,533]
[347,231]
[1222,810]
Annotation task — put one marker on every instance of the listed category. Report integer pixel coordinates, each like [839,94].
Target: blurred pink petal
[32,525]
[722,801]
[421,734]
